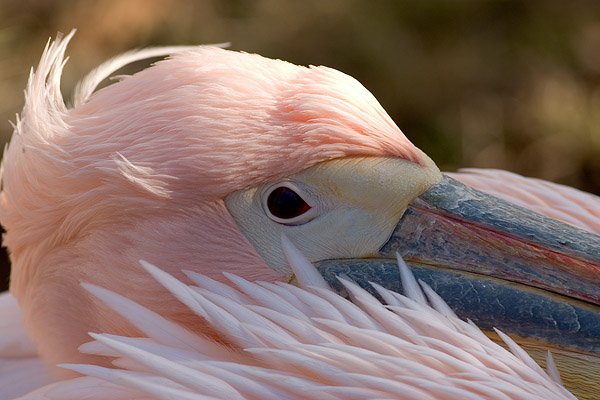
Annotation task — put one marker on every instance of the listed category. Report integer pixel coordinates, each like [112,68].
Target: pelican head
[205,159]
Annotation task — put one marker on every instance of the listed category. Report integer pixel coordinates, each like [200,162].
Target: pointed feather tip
[411,288]
[79,368]
[96,291]
[96,348]
[180,290]
[153,270]
[306,273]
[436,301]
[551,368]
[356,292]
[88,85]
[519,352]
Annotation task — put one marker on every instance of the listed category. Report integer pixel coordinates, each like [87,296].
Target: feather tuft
[318,345]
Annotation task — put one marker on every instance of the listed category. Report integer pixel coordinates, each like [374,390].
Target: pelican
[205,159]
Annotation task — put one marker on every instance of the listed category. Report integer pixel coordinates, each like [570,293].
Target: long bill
[496,263]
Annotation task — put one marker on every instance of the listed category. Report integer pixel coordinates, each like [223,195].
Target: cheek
[343,233]
[260,232]
[205,240]
[337,232]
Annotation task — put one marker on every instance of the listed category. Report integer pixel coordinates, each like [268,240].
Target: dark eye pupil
[284,203]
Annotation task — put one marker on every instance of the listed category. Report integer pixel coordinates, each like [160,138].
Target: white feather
[86,87]
[149,322]
[313,345]
[305,273]
[409,283]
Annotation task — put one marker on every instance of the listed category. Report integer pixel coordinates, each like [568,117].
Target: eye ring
[287,204]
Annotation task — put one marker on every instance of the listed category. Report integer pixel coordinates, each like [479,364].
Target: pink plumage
[141,168]
[155,154]
[304,343]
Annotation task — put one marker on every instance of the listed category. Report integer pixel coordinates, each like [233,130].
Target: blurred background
[496,84]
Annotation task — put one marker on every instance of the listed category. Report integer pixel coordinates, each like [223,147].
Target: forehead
[231,120]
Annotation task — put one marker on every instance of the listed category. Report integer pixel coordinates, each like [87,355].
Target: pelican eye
[285,204]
